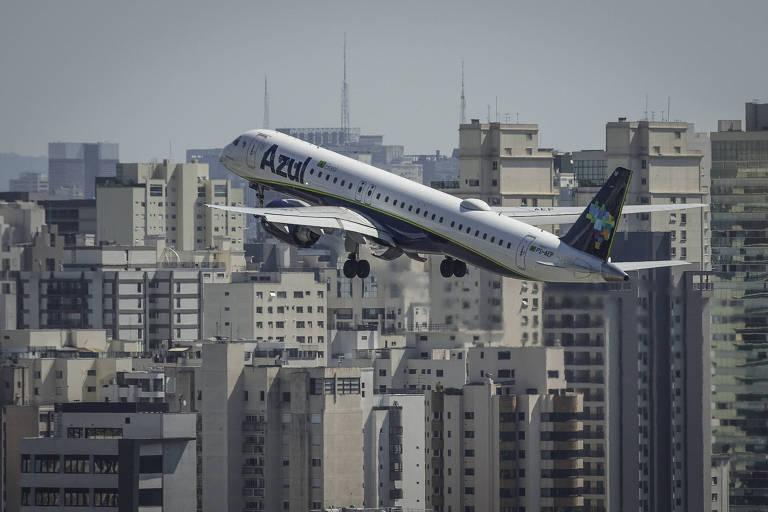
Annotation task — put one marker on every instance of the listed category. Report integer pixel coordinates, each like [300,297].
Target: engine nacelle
[299,236]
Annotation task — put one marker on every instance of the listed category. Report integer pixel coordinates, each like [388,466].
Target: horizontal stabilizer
[629,266]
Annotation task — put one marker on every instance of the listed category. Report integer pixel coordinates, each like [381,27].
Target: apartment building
[167,201]
[395,474]
[501,164]
[280,438]
[739,399]
[155,307]
[508,443]
[119,456]
[16,423]
[261,306]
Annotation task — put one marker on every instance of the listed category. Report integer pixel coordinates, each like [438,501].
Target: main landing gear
[354,267]
[451,267]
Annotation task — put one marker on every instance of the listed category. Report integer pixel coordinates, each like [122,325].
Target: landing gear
[354,267]
[450,267]
[259,193]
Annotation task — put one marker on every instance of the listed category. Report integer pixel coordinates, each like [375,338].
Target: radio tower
[463,104]
[345,99]
[265,124]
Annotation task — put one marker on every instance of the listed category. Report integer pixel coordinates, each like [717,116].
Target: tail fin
[594,230]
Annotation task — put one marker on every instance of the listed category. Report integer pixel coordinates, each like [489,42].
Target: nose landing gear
[451,267]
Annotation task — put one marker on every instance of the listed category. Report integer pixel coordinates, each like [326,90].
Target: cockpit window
[236,141]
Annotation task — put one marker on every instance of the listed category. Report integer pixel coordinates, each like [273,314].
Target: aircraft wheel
[459,268]
[446,268]
[350,269]
[363,269]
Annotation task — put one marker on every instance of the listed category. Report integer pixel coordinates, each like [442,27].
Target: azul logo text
[286,166]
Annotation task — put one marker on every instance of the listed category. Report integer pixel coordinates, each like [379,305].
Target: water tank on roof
[475,205]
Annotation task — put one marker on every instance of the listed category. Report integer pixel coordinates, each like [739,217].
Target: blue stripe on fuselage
[408,236]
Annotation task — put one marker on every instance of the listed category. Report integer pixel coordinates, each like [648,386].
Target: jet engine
[299,236]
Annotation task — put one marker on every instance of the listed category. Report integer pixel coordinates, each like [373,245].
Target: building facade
[73,167]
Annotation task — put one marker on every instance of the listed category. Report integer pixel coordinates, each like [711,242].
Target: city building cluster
[157,354]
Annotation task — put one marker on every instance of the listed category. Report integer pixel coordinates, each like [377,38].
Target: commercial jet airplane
[398,216]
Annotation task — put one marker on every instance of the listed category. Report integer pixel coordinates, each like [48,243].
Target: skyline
[179,73]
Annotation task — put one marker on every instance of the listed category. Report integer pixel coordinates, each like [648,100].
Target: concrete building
[645,388]
[73,167]
[164,200]
[72,218]
[280,438]
[156,307]
[283,307]
[118,456]
[395,473]
[34,182]
[16,423]
[20,222]
[669,160]
[507,443]
[502,165]
[740,230]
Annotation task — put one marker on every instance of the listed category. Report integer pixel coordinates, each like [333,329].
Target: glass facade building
[740,312]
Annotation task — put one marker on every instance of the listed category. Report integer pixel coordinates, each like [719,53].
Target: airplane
[396,216]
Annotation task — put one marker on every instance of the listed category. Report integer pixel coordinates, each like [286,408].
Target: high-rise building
[739,253]
[510,439]
[74,166]
[502,165]
[168,201]
[33,182]
[280,438]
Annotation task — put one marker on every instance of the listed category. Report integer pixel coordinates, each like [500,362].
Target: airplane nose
[226,151]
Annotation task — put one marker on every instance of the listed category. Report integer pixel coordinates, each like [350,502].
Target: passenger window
[402,204]
[410,207]
[426,213]
[360,188]
[394,202]
[501,242]
[335,180]
[343,183]
[386,199]
[441,220]
[311,171]
[485,235]
[470,229]
[493,239]
[327,177]
[433,216]
[370,192]
[461,226]
[509,245]
[378,196]
[418,210]
[350,185]
[319,174]
[477,232]
[453,223]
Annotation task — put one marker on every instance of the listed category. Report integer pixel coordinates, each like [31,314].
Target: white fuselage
[467,230]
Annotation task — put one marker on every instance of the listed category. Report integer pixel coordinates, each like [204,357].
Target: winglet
[594,230]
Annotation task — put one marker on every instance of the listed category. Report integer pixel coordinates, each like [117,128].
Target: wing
[629,266]
[537,216]
[322,217]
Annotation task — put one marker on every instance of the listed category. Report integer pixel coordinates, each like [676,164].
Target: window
[106,464]
[150,497]
[47,464]
[151,464]
[76,497]
[105,498]
[47,497]
[77,464]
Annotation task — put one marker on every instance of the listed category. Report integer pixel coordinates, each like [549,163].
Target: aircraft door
[360,191]
[250,157]
[522,251]
[368,193]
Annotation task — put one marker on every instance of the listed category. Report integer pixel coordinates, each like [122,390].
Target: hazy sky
[142,73]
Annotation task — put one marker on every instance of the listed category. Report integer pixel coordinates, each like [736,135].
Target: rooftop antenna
[489,112]
[646,107]
[497,109]
[463,99]
[265,124]
[345,99]
[669,103]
